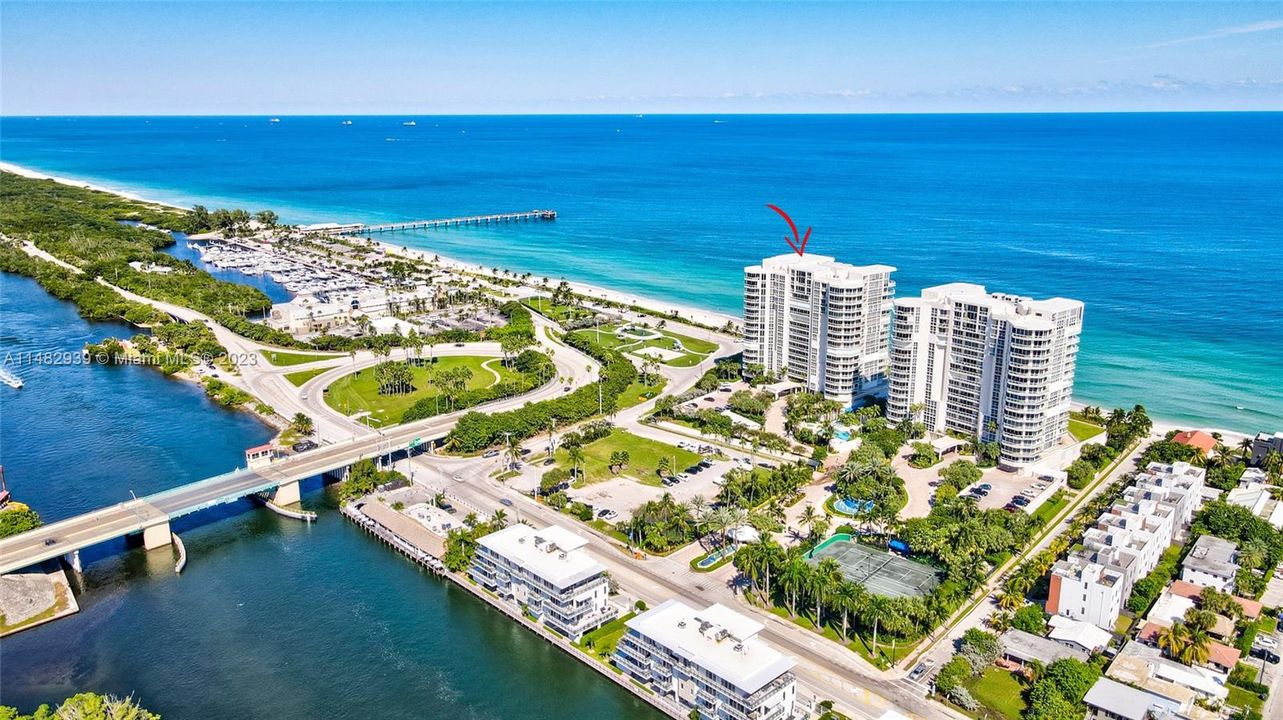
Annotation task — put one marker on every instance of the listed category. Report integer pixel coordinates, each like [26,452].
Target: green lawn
[357,392]
[644,455]
[302,376]
[557,313]
[279,357]
[694,350]
[1000,692]
[1048,510]
[601,642]
[1083,430]
[638,393]
[1241,698]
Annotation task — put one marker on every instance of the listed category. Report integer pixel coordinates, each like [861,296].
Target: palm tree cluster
[393,378]
[826,597]
[661,525]
[750,489]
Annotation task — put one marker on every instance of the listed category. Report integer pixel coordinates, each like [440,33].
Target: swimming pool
[847,506]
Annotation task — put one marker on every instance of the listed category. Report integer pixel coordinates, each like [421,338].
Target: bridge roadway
[135,516]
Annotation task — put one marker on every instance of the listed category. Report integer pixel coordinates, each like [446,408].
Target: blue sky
[373,57]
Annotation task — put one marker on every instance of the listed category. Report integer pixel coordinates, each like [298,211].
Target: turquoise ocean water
[1165,225]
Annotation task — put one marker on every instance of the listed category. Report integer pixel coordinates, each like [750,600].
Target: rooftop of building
[1127,702]
[1146,668]
[1026,646]
[1078,632]
[1212,555]
[821,264]
[1251,608]
[718,639]
[553,553]
[1022,311]
[1196,438]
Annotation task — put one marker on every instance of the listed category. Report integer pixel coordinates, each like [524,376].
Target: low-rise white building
[1211,563]
[1125,544]
[709,660]
[548,574]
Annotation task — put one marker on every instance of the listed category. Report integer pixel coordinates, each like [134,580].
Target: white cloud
[1263,26]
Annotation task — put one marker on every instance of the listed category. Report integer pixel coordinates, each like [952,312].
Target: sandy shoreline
[705,317]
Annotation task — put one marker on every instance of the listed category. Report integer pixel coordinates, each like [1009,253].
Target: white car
[1267,641]
[458,478]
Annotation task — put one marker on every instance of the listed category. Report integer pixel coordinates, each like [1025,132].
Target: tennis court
[877,570]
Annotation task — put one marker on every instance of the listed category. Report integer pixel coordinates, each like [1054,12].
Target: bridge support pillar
[286,494]
[157,536]
[73,560]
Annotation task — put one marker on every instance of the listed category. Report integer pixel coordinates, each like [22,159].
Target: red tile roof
[1251,608]
[1218,653]
[259,449]
[1196,438]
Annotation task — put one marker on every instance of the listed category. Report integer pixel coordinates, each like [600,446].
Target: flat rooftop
[718,639]
[1212,555]
[554,553]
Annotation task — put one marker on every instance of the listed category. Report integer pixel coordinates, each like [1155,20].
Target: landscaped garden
[441,382]
[667,347]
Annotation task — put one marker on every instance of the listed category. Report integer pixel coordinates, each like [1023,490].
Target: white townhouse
[709,660]
[1125,544]
[1000,367]
[819,322]
[547,573]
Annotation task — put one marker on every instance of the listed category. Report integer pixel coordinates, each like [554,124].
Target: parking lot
[1004,486]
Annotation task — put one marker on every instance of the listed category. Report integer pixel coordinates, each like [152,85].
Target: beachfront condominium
[708,660]
[548,574]
[819,322]
[1125,544]
[994,366]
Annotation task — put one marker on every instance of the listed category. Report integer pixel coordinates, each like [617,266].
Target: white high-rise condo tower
[997,366]
[819,322]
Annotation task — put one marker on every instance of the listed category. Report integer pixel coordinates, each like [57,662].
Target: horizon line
[37,116]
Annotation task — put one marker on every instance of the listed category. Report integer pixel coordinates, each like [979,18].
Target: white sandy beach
[702,316]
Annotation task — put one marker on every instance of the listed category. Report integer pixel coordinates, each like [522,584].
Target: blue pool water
[1165,225]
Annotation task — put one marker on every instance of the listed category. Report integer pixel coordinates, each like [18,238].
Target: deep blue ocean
[1165,225]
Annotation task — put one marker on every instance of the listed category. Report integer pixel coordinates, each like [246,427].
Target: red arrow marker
[797,243]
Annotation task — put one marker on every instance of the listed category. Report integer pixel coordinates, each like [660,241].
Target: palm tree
[824,578]
[794,577]
[1245,447]
[847,598]
[1010,601]
[575,455]
[1197,648]
[1172,639]
[499,520]
[809,515]
[877,609]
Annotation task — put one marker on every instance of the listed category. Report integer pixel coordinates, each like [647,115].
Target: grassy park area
[1000,694]
[643,457]
[1083,430]
[282,358]
[675,349]
[302,376]
[639,392]
[359,392]
[557,313]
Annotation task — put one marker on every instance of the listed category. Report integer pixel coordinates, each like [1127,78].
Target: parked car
[986,486]
[490,454]
[1020,501]
[303,446]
